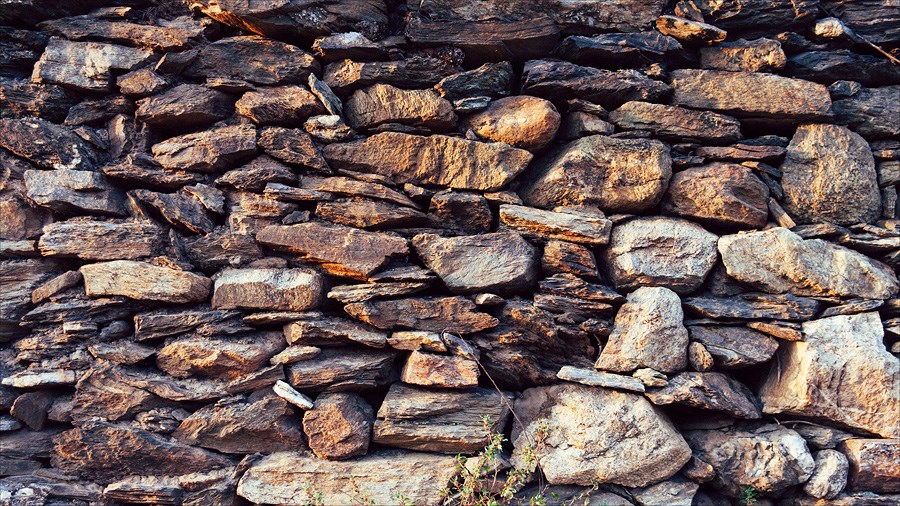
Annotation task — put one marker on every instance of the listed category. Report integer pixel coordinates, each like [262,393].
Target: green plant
[748,496]
[313,497]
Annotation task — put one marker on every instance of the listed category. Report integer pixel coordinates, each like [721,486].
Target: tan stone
[272,289]
[874,464]
[144,281]
[677,123]
[720,194]
[381,103]
[444,371]
[339,426]
[525,122]
[566,225]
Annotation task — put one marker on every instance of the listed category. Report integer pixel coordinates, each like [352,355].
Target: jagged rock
[751,95]
[220,248]
[502,263]
[522,121]
[676,123]
[600,379]
[144,281]
[440,420]
[579,124]
[356,188]
[757,306]
[256,175]
[489,81]
[272,289]
[86,66]
[437,160]
[734,347]
[778,261]
[660,251]
[873,464]
[293,146]
[342,251]
[122,352]
[617,175]
[561,257]
[757,16]
[871,112]
[339,427]
[830,476]
[566,225]
[253,59]
[759,55]
[46,144]
[343,370]
[569,285]
[102,240]
[434,314]
[74,192]
[261,423]
[442,371]
[827,67]
[413,72]
[184,108]
[47,101]
[363,292]
[850,347]
[690,31]
[282,105]
[719,195]
[561,80]
[293,354]
[589,440]
[709,391]
[380,476]
[31,408]
[209,151]
[218,357]
[330,331]
[829,175]
[65,280]
[348,46]
[141,83]
[382,104]
[171,37]
[370,214]
[648,332]
[105,452]
[674,492]
[328,128]
[618,50]
[465,211]
[181,210]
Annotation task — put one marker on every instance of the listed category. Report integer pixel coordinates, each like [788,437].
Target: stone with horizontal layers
[690,31]
[759,55]
[734,347]
[86,66]
[618,50]
[382,104]
[523,121]
[253,59]
[210,151]
[280,105]
[218,357]
[339,426]
[46,144]
[723,195]
[440,371]
[712,391]
[565,224]
[273,289]
[677,123]
[434,314]
[144,281]
[343,370]
[184,108]
[561,80]
[871,112]
[413,72]
[331,331]
[874,464]
[593,378]
[73,192]
[102,240]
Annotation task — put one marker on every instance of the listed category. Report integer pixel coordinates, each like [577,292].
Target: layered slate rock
[570,224]
[758,55]
[253,59]
[712,391]
[648,332]
[873,464]
[725,195]
[845,347]
[343,370]
[144,281]
[102,240]
[416,71]
[751,95]
[46,144]
[218,357]
[677,123]
[522,121]
[274,289]
[434,314]
[829,175]
[779,261]
[618,50]
[617,175]
[439,371]
[85,66]
[871,112]
[596,431]
[281,105]
[660,251]
[339,426]
[734,347]
[185,107]
[209,151]
[342,251]
[72,192]
[561,80]
[285,478]
[502,263]
[387,105]
[437,160]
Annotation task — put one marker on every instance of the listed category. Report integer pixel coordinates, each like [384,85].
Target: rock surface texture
[449,252]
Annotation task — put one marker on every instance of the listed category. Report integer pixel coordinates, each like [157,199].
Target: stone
[209,151]
[873,464]
[674,492]
[659,251]
[272,289]
[441,371]
[348,46]
[144,281]
[769,458]
[94,240]
[826,67]
[468,212]
[561,257]
[342,251]
[600,379]
[287,392]
[618,50]
[561,80]
[339,427]
[414,72]
[616,175]
[757,16]
[442,421]
[778,260]
[489,81]
[677,123]
[31,408]
[122,352]
[357,188]
[253,59]
[328,128]
[502,262]
[595,432]
[579,124]
[435,160]
[830,476]
[220,248]
[65,280]
[383,105]
[329,331]
[184,108]
[522,121]
[46,144]
[106,452]
[255,175]
[711,391]
[569,285]
[293,354]
[218,357]
[281,105]
[260,423]
[141,83]
[363,292]
[758,55]
[48,101]
[567,225]
[751,95]
[871,112]
[829,175]
[849,347]
[433,314]
[689,31]
[723,195]
[381,476]
[35,378]
[734,347]
[86,66]
[294,146]
[343,370]
[112,27]
[648,332]
[181,210]
[753,306]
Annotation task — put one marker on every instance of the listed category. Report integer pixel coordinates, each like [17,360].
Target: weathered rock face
[559,80]
[225,358]
[569,225]
[73,192]
[734,347]
[676,123]
[759,55]
[184,107]
[383,104]
[281,105]
[278,289]
[873,464]
[719,195]
[144,281]
[272,63]
[711,391]
[209,151]
[617,175]
[445,314]
[525,122]
[339,427]
[85,66]
[830,476]
[829,175]
[46,144]
[102,240]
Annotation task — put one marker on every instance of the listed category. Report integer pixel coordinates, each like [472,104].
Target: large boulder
[722,195]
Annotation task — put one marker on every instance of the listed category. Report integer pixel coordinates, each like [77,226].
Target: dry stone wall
[309,251]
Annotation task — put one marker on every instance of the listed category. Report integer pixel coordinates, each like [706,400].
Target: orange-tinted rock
[522,121]
[719,195]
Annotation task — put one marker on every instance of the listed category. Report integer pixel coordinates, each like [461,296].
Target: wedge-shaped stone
[561,80]
[488,39]
[711,391]
[102,240]
[46,144]
[755,306]
[144,281]
[570,226]
[86,66]
[440,371]
[253,59]
[209,151]
[734,347]
[618,50]
[874,464]
[871,112]
[434,314]
[594,378]
[342,251]
[74,192]
[841,372]
[599,435]
[677,123]
[282,105]
[343,370]
[751,95]
[181,209]
[758,55]
[339,426]
[435,160]
[382,103]
[333,331]
[218,357]
[721,195]
[271,289]
[440,421]
[184,108]
[172,37]
[381,476]
[778,260]
[414,72]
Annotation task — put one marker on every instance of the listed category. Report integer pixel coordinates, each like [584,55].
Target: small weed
[748,496]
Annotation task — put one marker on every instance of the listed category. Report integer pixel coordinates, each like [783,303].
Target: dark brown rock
[439,371]
[827,67]
[435,314]
[690,31]
[102,240]
[292,145]
[370,214]
[48,101]
[618,50]
[871,112]
[464,211]
[339,427]
[873,464]
[272,289]
[734,347]
[253,59]
[676,123]
[759,55]
[283,105]
[348,46]
[86,66]
[113,28]
[413,72]
[383,104]
[719,195]
[491,80]
[561,257]
[71,192]
[757,15]
[209,151]
[31,408]
[560,81]
[144,281]
[184,108]
[755,306]
[711,391]
[181,210]
[46,144]
[218,357]
[343,370]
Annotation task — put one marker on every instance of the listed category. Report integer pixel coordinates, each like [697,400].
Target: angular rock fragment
[600,379]
[560,80]
[434,314]
[253,59]
[209,151]
[572,226]
[74,192]
[46,144]
[711,391]
[330,331]
[65,280]
[759,55]
[339,427]
[273,289]
[218,357]
[292,145]
[618,50]
[561,257]
[348,46]
[86,66]
[343,370]
[489,81]
[871,112]
[144,281]
[690,31]
[755,306]
[734,347]
[826,67]
[288,393]
[283,105]
[413,72]
[465,211]
[184,108]
[522,121]
[382,104]
[441,371]
[102,240]
[830,476]
[676,123]
[370,214]
[565,284]
[719,195]
[873,464]
[181,210]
